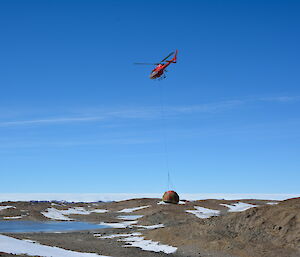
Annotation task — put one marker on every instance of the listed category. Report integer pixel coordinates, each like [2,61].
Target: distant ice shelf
[105,197]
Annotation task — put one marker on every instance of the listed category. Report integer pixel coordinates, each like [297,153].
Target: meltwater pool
[21,226]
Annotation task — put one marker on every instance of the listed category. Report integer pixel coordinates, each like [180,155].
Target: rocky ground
[215,228]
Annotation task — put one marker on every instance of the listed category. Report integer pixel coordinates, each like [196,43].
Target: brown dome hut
[170,197]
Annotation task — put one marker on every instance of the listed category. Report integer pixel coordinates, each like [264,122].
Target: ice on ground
[272,203]
[163,203]
[30,241]
[16,246]
[124,224]
[56,214]
[130,217]
[12,218]
[134,209]
[6,207]
[238,207]
[99,211]
[136,240]
[117,235]
[147,245]
[204,213]
[76,210]
[150,226]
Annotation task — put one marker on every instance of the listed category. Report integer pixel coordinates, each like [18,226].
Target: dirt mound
[279,224]
[265,231]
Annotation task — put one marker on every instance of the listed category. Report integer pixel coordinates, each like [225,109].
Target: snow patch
[151,226]
[239,207]
[136,240]
[30,241]
[130,217]
[147,245]
[56,214]
[117,235]
[6,207]
[124,224]
[99,211]
[134,209]
[163,203]
[12,218]
[203,213]
[272,203]
[16,246]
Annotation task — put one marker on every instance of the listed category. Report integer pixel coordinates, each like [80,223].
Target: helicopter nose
[152,75]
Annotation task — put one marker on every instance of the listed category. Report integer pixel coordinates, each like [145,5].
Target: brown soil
[270,230]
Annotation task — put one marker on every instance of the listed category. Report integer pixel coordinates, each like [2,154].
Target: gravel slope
[263,230]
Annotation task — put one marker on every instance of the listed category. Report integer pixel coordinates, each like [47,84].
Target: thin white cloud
[145,112]
[206,108]
[138,113]
[76,143]
[49,121]
[280,98]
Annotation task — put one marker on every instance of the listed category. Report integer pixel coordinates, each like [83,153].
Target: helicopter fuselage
[159,70]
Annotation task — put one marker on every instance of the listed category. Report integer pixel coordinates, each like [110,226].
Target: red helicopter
[160,68]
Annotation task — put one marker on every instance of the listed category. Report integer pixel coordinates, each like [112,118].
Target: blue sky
[77,116]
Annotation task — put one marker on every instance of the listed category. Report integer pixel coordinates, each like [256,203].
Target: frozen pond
[50,226]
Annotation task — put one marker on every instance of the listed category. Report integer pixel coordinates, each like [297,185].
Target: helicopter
[160,69]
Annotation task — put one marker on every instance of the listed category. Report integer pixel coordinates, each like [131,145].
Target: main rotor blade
[167,57]
[145,63]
